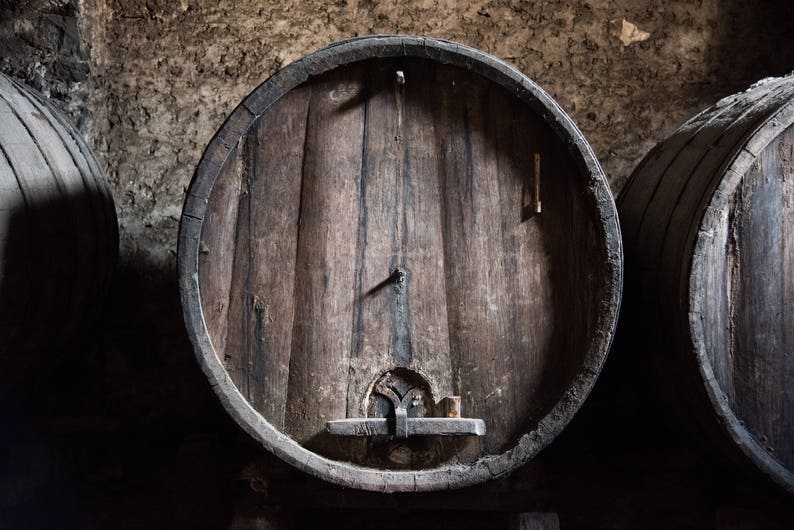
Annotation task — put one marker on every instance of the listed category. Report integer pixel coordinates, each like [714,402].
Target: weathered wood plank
[375,346]
[236,355]
[762,309]
[69,210]
[691,202]
[497,266]
[15,250]
[249,246]
[58,236]
[263,245]
[274,200]
[216,261]
[422,225]
[326,255]
[43,195]
[527,237]
[466,227]
[675,200]
[97,189]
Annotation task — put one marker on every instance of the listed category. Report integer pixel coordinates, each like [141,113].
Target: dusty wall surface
[127,433]
[151,81]
[172,72]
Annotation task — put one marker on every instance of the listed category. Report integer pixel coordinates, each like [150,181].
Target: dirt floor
[143,443]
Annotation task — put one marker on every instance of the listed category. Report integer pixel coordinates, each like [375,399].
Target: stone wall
[41,45]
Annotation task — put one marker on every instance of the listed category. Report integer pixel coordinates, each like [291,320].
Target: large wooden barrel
[400,265]
[708,224]
[58,230]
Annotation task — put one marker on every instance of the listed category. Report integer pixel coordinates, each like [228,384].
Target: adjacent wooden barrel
[708,222]
[409,218]
[58,230]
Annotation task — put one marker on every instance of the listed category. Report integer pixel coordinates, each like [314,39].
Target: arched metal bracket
[413,415]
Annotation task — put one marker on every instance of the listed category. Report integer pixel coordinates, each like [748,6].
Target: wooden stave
[221,147]
[89,226]
[756,113]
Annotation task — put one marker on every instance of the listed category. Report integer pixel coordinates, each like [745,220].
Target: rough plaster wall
[173,71]
[150,81]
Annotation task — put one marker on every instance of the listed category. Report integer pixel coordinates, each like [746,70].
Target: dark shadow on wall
[107,423]
[37,320]
[756,40]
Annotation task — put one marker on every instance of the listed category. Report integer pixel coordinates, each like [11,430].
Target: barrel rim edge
[341,473]
[736,168]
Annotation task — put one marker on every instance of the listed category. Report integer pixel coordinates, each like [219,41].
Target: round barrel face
[403,246]
[748,320]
